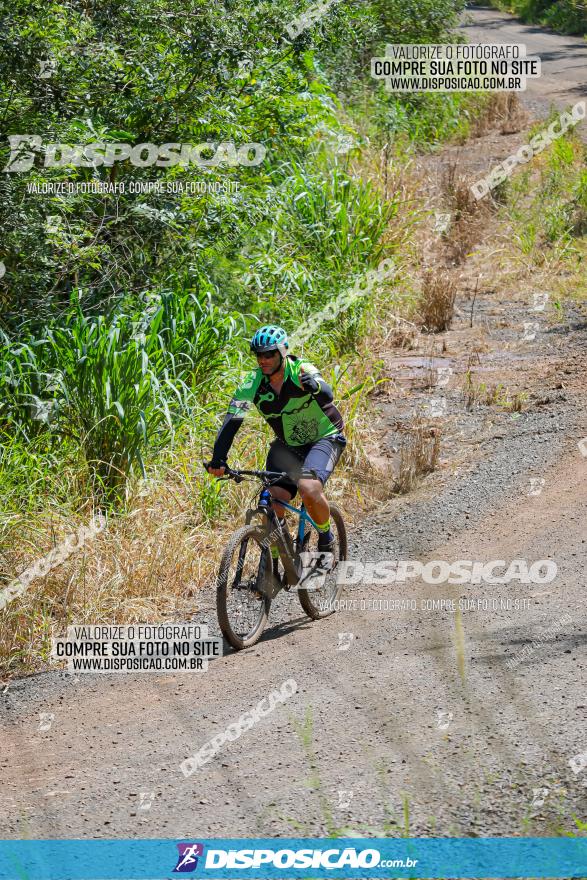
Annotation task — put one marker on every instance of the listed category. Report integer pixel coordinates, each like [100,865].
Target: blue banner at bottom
[509,857]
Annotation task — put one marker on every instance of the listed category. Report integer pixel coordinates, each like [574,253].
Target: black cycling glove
[317,387]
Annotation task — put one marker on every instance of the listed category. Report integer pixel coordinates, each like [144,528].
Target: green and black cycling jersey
[301,414]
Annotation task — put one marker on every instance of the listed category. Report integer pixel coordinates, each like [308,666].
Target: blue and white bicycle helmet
[270,338]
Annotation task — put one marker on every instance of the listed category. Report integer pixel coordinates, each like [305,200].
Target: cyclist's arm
[237,410]
[228,430]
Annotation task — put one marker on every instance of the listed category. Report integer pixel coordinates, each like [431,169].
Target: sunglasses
[266,355]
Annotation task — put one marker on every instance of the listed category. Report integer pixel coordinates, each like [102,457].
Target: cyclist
[297,403]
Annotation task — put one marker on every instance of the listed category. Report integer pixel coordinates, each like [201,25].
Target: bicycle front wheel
[242,602]
[319,602]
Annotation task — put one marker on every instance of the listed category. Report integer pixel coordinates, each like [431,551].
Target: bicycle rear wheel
[242,603]
[318,602]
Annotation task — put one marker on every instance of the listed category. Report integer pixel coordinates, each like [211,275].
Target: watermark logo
[135,648]
[245,721]
[445,67]
[2,269]
[344,799]
[45,720]
[530,330]
[582,444]
[578,763]
[539,796]
[443,719]
[344,641]
[548,634]
[42,567]
[22,157]
[441,223]
[245,66]
[47,66]
[436,407]
[443,375]
[187,860]
[461,571]
[536,486]
[540,300]
[363,286]
[344,144]
[146,799]
[316,565]
[308,860]
[298,25]
[25,147]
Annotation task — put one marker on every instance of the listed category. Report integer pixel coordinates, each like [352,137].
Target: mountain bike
[261,558]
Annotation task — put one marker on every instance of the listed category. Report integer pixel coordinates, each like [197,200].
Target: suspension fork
[281,537]
[285,548]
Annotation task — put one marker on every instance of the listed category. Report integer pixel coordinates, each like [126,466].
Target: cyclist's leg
[282,458]
[279,494]
[321,458]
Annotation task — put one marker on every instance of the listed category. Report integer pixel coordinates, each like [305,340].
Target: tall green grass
[115,385]
[547,203]
[328,229]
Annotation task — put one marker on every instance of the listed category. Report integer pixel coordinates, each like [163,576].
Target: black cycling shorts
[297,461]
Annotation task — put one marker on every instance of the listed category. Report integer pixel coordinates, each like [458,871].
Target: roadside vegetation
[566,16]
[547,206]
[125,318]
[542,209]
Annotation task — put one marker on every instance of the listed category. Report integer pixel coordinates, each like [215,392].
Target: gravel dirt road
[403,721]
[564,59]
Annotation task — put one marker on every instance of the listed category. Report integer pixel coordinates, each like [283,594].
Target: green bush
[328,228]
[568,16]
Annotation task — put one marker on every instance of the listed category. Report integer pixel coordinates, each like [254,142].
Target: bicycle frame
[286,552]
[304,517]
[282,540]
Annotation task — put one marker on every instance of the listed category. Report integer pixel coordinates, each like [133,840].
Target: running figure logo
[188,857]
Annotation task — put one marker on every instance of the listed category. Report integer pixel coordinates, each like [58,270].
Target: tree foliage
[274,239]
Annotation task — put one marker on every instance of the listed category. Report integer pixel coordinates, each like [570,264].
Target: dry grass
[456,192]
[401,334]
[469,215]
[517,402]
[146,566]
[504,111]
[419,454]
[430,374]
[429,377]
[437,300]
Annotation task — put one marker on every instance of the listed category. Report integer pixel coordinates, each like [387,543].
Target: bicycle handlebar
[261,475]
[238,476]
